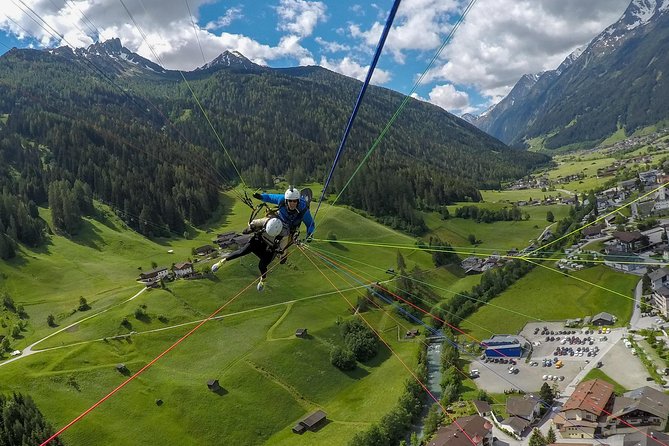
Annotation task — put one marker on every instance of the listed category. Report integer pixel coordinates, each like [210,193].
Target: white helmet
[292,194]
[273,227]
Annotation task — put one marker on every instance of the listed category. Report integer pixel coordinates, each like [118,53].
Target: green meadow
[270,379]
[547,294]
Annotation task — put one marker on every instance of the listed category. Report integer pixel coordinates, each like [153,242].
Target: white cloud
[300,17]
[350,67]
[501,40]
[331,47]
[449,98]
[232,14]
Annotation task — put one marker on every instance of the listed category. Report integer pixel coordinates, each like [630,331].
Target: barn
[504,346]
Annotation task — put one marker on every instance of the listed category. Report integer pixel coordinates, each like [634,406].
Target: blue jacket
[292,219]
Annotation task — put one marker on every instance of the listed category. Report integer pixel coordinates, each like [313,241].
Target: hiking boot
[261,286]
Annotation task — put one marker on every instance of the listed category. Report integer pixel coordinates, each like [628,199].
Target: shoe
[217,265]
[261,286]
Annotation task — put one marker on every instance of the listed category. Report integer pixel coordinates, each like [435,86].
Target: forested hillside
[137,139]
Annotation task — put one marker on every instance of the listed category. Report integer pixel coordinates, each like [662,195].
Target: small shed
[301,332]
[311,422]
[213,385]
[121,368]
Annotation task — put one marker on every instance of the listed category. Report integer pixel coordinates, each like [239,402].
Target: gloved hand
[257,196]
[309,238]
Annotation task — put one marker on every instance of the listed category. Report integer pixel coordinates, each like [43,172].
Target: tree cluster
[22,423]
[484,215]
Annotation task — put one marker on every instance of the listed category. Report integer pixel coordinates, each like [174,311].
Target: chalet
[311,422]
[301,333]
[154,275]
[593,231]
[213,385]
[225,239]
[603,318]
[204,250]
[629,241]
[516,425]
[182,269]
[641,407]
[581,412]
[468,431]
[482,408]
[526,407]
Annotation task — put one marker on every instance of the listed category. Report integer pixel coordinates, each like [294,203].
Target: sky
[492,47]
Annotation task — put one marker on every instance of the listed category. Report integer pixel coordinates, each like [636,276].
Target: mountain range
[618,81]
[158,144]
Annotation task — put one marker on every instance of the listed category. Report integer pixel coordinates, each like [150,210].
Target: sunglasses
[292,201]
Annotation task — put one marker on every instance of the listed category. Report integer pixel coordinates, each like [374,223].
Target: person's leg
[245,249]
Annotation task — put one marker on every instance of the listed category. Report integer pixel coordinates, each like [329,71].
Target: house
[645,437]
[627,185]
[661,300]
[467,431]
[649,178]
[224,238]
[311,422]
[580,413]
[526,407]
[593,231]
[629,241]
[482,408]
[603,318]
[658,278]
[504,346]
[213,385]
[204,250]
[640,407]
[182,269]
[516,425]
[301,333]
[154,275]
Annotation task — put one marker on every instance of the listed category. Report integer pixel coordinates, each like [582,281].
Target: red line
[456,328]
[140,371]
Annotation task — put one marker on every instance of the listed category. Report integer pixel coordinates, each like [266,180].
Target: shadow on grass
[338,246]
[357,373]
[88,236]
[220,391]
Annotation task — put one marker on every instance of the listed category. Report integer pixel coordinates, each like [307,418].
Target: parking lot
[574,348]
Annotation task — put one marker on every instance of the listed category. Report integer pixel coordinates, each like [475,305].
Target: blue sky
[498,42]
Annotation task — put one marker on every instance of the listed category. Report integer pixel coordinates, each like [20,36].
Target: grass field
[270,378]
[562,296]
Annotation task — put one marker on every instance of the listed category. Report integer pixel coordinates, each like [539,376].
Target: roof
[657,274]
[645,399]
[504,340]
[475,427]
[603,315]
[481,406]
[313,419]
[663,291]
[646,437]
[590,396]
[521,407]
[516,423]
[593,230]
[560,419]
[183,265]
[628,237]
